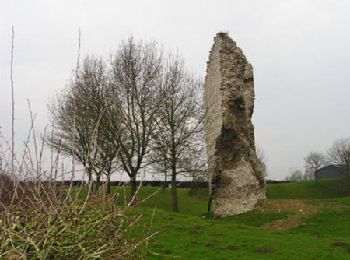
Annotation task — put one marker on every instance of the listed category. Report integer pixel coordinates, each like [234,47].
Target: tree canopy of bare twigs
[313,162]
[136,78]
[180,117]
[295,175]
[83,106]
[339,153]
[141,109]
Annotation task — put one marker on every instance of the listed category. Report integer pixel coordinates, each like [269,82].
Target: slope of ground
[323,189]
[300,221]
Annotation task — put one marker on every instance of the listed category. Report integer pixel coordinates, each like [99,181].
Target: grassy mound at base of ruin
[303,220]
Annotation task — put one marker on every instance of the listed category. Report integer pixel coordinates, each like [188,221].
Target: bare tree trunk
[174,204]
[98,182]
[165,184]
[108,188]
[165,173]
[90,183]
[133,187]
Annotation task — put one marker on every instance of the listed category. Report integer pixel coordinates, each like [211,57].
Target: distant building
[330,171]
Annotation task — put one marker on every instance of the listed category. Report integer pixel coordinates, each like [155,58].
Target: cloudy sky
[299,50]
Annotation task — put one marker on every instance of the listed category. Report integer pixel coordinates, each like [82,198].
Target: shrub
[70,229]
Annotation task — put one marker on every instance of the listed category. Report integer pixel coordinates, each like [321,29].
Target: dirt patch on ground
[265,250]
[283,224]
[299,211]
[342,244]
[293,205]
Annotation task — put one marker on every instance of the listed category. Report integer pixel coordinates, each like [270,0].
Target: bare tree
[339,153]
[160,165]
[82,104]
[180,120]
[193,163]
[108,149]
[295,175]
[262,159]
[136,79]
[313,162]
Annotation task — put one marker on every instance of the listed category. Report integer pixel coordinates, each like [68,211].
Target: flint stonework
[235,174]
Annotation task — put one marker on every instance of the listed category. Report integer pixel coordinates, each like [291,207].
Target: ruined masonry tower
[235,173]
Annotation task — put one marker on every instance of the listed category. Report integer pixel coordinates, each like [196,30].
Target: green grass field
[301,220]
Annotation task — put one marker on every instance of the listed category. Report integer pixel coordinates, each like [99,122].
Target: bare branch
[12,106]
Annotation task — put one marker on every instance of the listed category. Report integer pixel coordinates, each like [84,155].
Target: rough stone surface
[235,174]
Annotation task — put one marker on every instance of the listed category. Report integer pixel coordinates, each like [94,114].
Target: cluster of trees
[137,110]
[338,153]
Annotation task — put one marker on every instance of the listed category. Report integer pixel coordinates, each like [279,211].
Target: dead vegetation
[42,219]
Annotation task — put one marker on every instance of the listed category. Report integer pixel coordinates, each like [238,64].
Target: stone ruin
[235,173]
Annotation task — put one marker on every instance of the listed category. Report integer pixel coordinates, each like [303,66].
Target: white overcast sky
[299,50]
